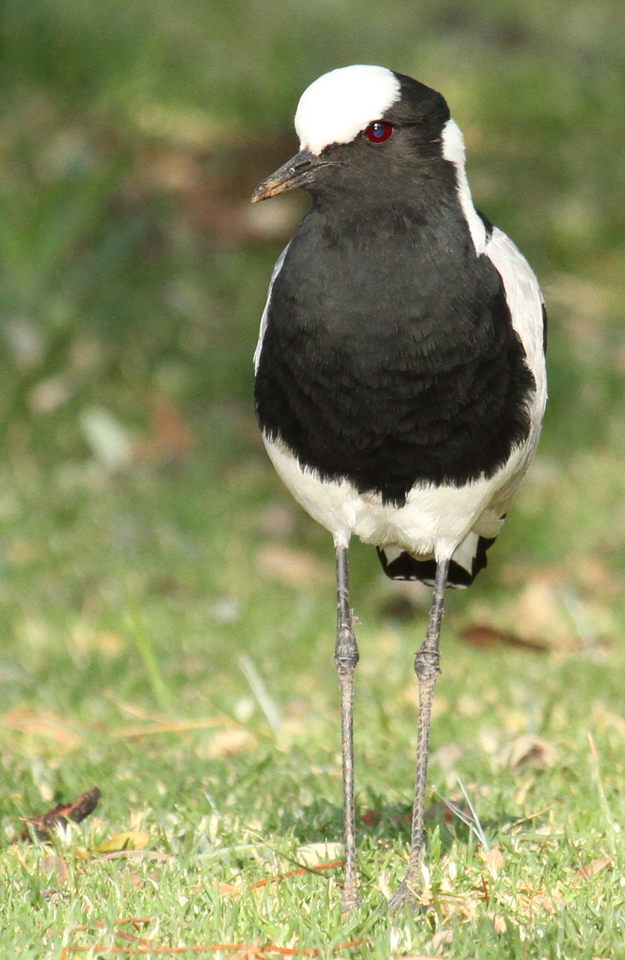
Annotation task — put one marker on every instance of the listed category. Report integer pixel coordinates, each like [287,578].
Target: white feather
[525,303]
[341,103]
[263,320]
[465,551]
[433,521]
[453,150]
[522,291]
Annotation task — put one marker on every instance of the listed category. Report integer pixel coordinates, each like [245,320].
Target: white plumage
[339,104]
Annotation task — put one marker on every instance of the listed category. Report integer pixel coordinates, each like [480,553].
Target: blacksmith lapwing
[400,374]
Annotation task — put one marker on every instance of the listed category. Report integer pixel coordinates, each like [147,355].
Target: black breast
[389,356]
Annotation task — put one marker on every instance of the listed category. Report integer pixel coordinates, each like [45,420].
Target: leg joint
[427,663]
[346,654]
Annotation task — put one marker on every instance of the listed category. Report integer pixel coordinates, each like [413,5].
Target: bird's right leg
[427,668]
[346,658]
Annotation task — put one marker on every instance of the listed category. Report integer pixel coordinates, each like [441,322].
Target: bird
[400,378]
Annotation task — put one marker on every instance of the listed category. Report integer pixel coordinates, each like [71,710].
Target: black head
[364,127]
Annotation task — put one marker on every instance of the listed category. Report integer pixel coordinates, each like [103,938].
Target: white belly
[433,521]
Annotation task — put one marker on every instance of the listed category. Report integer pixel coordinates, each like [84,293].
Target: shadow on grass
[322,822]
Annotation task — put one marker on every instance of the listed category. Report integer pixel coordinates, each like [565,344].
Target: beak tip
[293,173]
[260,192]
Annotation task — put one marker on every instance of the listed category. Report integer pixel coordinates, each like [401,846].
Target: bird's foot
[406,897]
[351,899]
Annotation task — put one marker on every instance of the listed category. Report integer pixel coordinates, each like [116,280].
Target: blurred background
[146,544]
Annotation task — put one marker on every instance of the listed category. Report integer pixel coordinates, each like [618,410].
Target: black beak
[299,171]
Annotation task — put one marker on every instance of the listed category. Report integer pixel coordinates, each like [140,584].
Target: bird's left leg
[427,668]
[346,658]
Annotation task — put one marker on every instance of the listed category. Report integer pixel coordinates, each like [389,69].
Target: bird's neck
[427,200]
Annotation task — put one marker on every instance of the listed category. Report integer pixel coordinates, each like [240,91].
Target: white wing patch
[523,295]
[525,302]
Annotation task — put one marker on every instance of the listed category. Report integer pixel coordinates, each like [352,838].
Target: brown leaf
[528,750]
[486,635]
[539,612]
[499,923]
[228,889]
[539,618]
[495,859]
[228,742]
[60,814]
[370,818]
[595,866]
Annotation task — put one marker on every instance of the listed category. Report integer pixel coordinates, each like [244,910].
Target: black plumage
[400,373]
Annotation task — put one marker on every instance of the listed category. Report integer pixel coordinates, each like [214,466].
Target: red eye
[379,131]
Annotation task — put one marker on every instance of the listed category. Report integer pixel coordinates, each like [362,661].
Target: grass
[167,612]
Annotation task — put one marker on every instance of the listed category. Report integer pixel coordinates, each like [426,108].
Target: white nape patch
[453,150]
[341,103]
